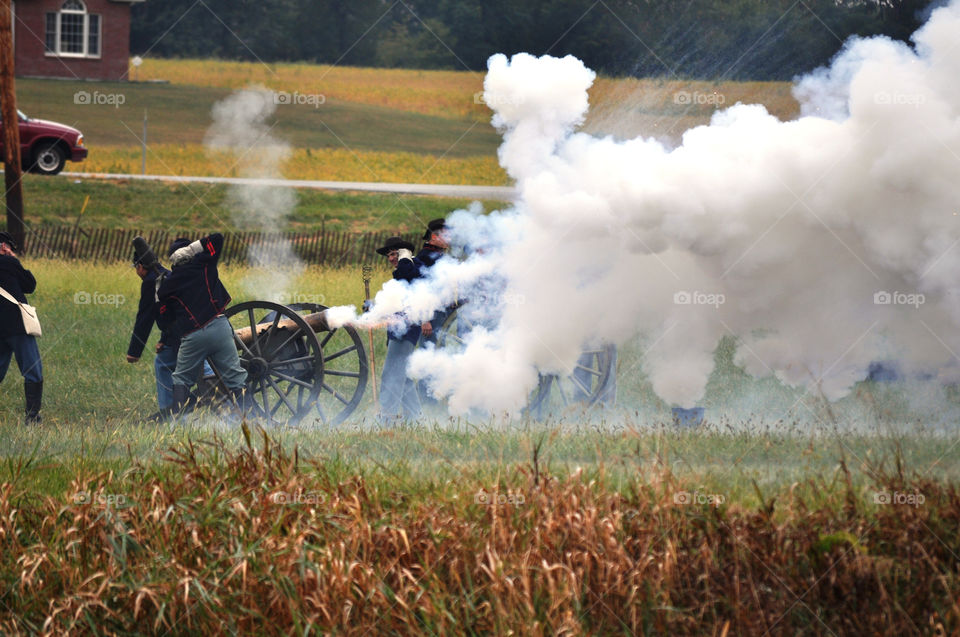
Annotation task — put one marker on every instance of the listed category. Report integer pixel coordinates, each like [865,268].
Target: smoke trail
[240,131]
[821,244]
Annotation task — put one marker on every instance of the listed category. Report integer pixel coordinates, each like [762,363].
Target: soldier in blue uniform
[398,393]
[14,340]
[192,300]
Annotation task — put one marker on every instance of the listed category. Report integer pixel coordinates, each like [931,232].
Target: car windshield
[23,116]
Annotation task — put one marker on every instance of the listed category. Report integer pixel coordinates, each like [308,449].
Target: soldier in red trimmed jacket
[192,300]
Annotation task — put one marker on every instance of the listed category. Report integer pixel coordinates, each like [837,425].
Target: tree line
[705,39]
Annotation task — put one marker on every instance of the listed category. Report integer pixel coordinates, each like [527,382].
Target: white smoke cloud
[821,244]
[241,128]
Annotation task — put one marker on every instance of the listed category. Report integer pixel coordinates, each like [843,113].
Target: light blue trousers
[213,341]
[398,394]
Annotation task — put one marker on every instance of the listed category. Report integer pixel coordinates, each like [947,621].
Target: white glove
[186,253]
[403,253]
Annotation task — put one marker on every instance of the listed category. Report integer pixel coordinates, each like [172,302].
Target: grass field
[783,515]
[616,524]
[140,205]
[90,384]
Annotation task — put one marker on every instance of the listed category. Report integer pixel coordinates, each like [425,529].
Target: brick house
[74,39]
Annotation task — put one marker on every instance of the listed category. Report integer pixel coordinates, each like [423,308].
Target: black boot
[33,393]
[181,394]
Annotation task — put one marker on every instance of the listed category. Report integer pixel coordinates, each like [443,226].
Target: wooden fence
[321,247]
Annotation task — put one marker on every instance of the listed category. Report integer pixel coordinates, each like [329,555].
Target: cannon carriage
[300,371]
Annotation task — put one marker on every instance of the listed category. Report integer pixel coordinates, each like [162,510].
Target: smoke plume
[241,134]
[821,244]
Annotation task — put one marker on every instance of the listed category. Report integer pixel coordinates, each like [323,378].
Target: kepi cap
[434,226]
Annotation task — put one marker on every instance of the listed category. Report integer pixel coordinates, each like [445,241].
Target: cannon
[300,371]
[592,383]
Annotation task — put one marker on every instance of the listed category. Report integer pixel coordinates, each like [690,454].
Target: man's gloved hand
[367,305]
[403,253]
[186,253]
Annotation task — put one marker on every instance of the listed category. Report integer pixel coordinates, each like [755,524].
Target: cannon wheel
[591,381]
[589,384]
[284,365]
[345,370]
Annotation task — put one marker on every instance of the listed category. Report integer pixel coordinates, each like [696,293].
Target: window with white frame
[72,32]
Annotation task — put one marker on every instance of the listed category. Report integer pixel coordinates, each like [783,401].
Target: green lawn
[144,206]
[180,114]
[94,398]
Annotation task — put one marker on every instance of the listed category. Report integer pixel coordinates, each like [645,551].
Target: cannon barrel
[317,322]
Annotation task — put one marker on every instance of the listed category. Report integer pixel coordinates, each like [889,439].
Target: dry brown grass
[201,545]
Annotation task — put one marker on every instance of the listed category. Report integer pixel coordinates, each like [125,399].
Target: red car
[46,146]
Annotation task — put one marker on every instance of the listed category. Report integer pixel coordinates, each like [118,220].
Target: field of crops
[456,94]
[443,93]
[327,164]
[782,522]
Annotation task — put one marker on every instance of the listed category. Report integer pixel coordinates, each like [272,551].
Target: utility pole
[11,129]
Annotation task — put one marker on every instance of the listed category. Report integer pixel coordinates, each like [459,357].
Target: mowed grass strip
[220,538]
[142,205]
[87,311]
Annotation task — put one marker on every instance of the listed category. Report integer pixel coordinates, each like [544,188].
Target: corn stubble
[217,541]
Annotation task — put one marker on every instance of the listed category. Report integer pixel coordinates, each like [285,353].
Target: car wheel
[48,159]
